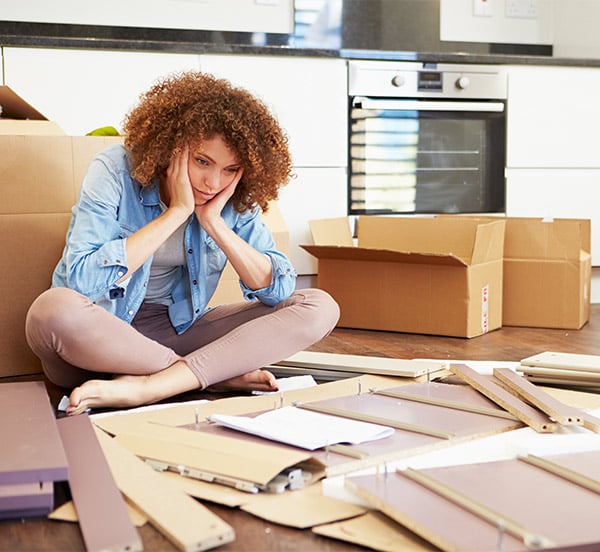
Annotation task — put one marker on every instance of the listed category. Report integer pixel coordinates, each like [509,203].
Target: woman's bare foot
[122,391]
[257,380]
[126,391]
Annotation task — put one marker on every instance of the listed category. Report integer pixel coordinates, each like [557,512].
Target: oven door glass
[422,156]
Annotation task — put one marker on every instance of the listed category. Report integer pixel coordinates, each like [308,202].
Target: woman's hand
[178,186]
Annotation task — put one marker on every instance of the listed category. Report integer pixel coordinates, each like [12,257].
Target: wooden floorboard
[252,534]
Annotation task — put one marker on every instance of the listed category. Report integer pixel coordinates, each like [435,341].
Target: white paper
[289,384]
[304,428]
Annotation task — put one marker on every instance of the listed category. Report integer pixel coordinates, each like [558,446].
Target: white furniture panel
[308,96]
[557,193]
[553,117]
[314,194]
[86,89]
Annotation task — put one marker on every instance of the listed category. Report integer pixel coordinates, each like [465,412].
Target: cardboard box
[547,272]
[17,117]
[429,275]
[39,182]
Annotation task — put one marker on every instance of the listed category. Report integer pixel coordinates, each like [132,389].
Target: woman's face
[212,166]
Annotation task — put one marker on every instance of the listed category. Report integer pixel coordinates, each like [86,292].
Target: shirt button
[190,250]
[195,282]
[119,274]
[130,313]
[197,311]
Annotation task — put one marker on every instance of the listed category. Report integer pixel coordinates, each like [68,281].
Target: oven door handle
[426,105]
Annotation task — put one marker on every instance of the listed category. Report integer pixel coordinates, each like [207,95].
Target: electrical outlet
[482,8]
[524,9]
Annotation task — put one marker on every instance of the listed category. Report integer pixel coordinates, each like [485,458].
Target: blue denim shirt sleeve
[283,278]
[95,258]
[110,207]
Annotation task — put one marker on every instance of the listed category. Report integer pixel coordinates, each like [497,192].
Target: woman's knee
[55,307]
[324,310]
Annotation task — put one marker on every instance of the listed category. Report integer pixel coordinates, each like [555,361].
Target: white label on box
[485,308]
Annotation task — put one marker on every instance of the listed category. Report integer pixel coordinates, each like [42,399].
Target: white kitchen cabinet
[308,96]
[553,116]
[86,89]
[553,153]
[315,193]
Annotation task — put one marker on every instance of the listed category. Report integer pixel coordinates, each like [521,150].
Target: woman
[126,320]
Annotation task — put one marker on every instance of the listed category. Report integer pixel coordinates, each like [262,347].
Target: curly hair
[189,107]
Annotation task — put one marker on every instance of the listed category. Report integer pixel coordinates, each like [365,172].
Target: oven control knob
[398,80]
[462,83]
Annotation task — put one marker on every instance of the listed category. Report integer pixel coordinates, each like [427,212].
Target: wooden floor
[253,534]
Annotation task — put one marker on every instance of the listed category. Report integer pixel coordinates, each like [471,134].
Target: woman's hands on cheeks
[209,212]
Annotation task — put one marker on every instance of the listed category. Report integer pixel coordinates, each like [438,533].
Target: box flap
[333,231]
[381,255]
[429,235]
[489,242]
[551,239]
[15,107]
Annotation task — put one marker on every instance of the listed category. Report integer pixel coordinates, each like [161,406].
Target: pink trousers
[77,340]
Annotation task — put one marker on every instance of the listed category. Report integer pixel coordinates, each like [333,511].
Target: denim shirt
[111,206]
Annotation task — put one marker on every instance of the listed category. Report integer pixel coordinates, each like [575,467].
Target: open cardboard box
[430,275]
[39,183]
[19,117]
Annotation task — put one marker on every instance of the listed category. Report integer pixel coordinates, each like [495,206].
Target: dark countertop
[392,30]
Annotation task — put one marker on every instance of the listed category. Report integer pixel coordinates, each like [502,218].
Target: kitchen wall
[268,16]
[569,26]
[576,29]
[501,21]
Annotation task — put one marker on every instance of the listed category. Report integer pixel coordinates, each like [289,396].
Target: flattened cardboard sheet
[375,531]
[32,450]
[66,512]
[180,518]
[216,455]
[301,509]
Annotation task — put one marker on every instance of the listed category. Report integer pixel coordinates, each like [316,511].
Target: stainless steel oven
[426,138]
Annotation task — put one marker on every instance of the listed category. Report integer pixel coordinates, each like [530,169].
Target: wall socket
[524,9]
[482,8]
